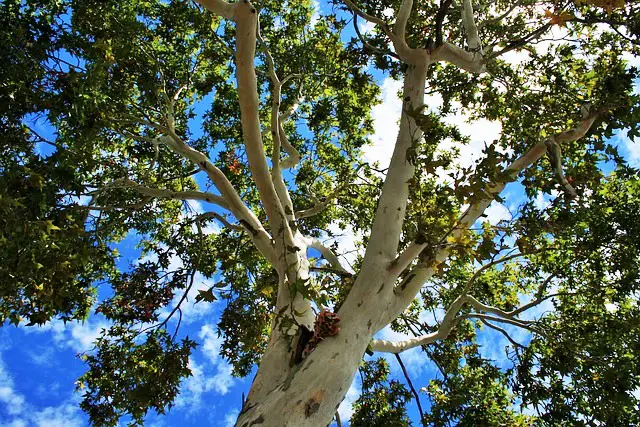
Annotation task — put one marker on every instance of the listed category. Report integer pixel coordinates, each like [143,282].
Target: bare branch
[373,19]
[448,323]
[473,39]
[219,7]
[169,194]
[222,219]
[404,260]
[397,36]
[503,332]
[469,61]
[366,44]
[507,320]
[413,389]
[328,255]
[400,28]
[246,36]
[276,172]
[501,17]
[319,206]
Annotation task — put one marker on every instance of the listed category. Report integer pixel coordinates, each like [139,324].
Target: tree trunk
[314,388]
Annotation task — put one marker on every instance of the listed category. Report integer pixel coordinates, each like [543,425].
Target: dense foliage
[111,80]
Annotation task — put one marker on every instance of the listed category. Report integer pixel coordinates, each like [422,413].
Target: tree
[278,164]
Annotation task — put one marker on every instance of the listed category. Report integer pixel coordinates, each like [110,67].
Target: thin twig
[413,390]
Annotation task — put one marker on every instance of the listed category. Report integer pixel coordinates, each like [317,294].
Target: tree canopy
[231,139]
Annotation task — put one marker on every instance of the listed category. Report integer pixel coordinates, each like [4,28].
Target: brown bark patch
[313,404]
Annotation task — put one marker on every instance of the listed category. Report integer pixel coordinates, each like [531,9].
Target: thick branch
[448,322]
[276,172]
[440,15]
[468,61]
[473,39]
[260,237]
[246,35]
[385,232]
[219,7]
[170,194]
[400,28]
[397,36]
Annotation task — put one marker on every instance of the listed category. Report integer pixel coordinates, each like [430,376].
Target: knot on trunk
[327,325]
[313,404]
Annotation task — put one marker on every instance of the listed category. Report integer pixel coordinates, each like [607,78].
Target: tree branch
[366,44]
[440,15]
[328,255]
[322,205]
[413,389]
[397,36]
[219,7]
[473,39]
[503,332]
[501,17]
[507,320]
[276,172]
[169,194]
[400,27]
[468,61]
[448,323]
[223,220]
[246,36]
[421,273]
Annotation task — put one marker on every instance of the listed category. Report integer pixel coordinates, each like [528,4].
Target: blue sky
[38,366]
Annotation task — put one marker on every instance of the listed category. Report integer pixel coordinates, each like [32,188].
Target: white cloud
[222,381]
[386,116]
[542,201]
[481,133]
[315,14]
[497,212]
[631,148]
[231,417]
[366,27]
[78,336]
[13,401]
[210,345]
[191,389]
[67,414]
[212,376]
